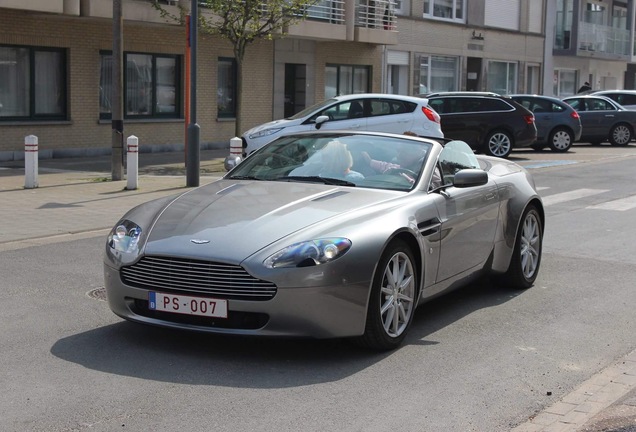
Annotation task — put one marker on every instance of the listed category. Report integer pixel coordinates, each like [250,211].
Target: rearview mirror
[320,120]
[470,177]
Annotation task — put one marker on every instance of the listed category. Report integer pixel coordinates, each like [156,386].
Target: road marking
[622,204]
[547,163]
[570,196]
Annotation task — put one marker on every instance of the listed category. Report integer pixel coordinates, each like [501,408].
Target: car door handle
[609,115]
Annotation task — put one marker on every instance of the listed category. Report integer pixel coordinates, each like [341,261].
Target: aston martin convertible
[326,235]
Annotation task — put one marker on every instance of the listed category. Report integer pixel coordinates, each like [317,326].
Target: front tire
[526,257]
[620,135]
[560,140]
[499,143]
[393,299]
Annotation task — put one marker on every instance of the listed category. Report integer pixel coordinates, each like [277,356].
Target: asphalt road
[480,359]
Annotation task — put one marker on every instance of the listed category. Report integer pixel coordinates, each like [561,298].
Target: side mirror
[320,120]
[470,177]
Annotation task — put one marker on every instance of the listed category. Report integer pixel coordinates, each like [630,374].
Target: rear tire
[393,299]
[526,256]
[560,140]
[499,144]
[620,135]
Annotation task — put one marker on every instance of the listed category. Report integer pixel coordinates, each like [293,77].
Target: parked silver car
[558,124]
[625,98]
[297,241]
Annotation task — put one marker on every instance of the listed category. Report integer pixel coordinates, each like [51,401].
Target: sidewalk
[75,199]
[76,195]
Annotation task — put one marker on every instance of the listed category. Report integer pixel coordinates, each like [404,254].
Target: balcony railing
[327,10]
[603,39]
[378,14]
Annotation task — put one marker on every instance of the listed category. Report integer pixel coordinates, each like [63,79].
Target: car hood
[231,220]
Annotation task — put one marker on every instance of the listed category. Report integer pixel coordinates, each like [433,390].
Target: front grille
[182,275]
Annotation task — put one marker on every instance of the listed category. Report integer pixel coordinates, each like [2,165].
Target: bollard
[236,154]
[132,162]
[30,162]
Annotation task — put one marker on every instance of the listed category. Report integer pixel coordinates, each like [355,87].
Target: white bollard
[236,146]
[132,162]
[30,162]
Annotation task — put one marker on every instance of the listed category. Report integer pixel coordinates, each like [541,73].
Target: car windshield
[353,160]
[317,107]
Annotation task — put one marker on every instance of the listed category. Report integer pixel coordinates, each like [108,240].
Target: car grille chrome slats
[196,277]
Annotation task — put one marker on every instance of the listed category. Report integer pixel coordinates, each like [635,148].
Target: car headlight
[309,253]
[265,132]
[124,237]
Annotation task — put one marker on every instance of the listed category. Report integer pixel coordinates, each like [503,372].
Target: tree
[243,22]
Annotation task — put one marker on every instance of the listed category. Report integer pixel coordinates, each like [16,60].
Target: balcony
[368,21]
[605,40]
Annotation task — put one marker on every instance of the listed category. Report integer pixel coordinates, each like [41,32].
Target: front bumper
[337,310]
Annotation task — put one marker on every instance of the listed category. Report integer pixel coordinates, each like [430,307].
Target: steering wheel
[280,160]
[399,171]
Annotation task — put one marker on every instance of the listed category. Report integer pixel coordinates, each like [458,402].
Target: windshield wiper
[318,179]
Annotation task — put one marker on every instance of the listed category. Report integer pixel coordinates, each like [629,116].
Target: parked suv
[558,124]
[366,112]
[488,122]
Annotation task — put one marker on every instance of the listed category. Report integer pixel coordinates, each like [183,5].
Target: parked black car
[603,119]
[558,124]
[488,122]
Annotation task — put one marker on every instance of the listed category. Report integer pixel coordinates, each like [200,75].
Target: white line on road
[570,196]
[622,204]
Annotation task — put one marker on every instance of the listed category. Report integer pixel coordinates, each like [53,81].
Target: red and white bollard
[236,154]
[30,162]
[132,162]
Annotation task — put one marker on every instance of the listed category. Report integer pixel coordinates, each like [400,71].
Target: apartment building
[55,63]
[593,41]
[480,45]
[56,73]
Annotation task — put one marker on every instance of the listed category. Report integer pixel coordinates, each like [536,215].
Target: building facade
[56,63]
[593,42]
[56,72]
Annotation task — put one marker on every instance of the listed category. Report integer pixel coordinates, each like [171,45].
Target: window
[32,83]
[151,84]
[565,82]
[563,24]
[502,77]
[344,79]
[452,10]
[226,88]
[435,73]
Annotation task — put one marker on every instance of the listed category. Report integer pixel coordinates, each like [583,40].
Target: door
[295,85]
[389,115]
[349,115]
[468,215]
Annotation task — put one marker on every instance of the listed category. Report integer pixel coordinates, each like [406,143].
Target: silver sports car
[334,234]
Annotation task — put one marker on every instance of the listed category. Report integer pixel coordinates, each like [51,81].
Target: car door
[460,118]
[390,115]
[590,121]
[603,115]
[468,215]
[346,115]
